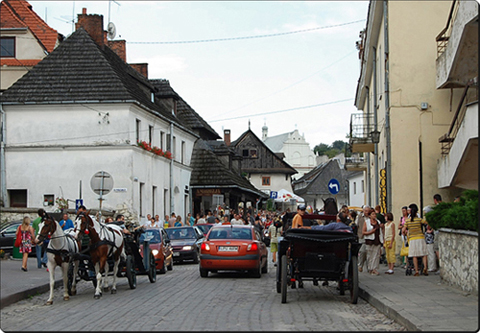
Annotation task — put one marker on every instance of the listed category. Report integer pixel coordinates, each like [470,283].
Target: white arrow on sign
[331,185]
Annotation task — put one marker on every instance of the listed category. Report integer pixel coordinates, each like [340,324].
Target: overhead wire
[249,37]
[292,85]
[281,111]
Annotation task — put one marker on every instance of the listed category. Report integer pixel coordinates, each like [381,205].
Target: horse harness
[65,254]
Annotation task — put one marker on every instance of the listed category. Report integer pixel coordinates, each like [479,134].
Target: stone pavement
[418,303]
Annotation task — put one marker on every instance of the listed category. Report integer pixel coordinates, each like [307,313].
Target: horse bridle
[51,225]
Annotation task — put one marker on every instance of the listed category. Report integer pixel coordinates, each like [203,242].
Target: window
[48,199]
[137,130]
[150,134]
[154,199]
[140,206]
[265,181]
[18,198]
[169,144]
[161,140]
[363,187]
[249,153]
[7,47]
[174,146]
[183,152]
[354,187]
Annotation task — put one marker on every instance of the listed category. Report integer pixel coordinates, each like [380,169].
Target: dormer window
[249,153]
[174,109]
[7,47]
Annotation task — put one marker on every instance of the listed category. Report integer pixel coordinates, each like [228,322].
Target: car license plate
[228,248]
[176,254]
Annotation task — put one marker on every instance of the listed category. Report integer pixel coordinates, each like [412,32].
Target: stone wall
[17,214]
[458,251]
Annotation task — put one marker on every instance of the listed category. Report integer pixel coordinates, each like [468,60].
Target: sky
[288,79]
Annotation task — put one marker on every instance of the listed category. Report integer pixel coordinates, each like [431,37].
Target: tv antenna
[111,31]
[68,19]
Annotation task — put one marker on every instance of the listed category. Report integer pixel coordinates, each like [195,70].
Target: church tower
[264,132]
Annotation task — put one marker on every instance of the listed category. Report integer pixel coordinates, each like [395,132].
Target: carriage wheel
[131,273]
[284,274]
[353,279]
[279,282]
[152,274]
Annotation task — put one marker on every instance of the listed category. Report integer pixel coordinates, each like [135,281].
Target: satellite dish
[111,31]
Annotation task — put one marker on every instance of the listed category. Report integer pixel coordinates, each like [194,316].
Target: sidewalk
[16,284]
[420,303]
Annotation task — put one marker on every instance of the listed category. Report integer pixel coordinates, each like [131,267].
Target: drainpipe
[375,109]
[368,185]
[172,203]
[3,171]
[387,108]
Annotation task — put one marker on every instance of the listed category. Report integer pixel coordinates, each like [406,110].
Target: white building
[296,150]
[356,189]
[83,110]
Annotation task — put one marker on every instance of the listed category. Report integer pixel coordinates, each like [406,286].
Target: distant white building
[356,186]
[295,149]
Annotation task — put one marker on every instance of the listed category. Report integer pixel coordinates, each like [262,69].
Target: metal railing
[469,96]
[361,127]
[444,36]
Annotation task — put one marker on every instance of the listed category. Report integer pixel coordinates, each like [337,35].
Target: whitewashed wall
[356,197]
[50,148]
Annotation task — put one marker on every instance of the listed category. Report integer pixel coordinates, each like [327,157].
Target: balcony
[355,163]
[458,165]
[363,135]
[457,46]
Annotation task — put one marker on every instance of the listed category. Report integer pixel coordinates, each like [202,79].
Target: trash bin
[16,251]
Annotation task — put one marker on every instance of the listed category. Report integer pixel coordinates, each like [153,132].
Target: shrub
[456,215]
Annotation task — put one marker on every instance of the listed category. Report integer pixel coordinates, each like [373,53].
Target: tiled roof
[18,62]
[8,20]
[209,170]
[23,11]
[184,112]
[275,143]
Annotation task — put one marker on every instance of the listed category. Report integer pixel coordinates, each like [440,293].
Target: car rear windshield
[204,227]
[180,233]
[153,236]
[233,233]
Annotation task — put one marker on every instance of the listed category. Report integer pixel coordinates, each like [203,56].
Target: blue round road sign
[333,186]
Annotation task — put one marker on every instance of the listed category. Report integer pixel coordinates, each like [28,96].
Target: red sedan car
[233,247]
[161,248]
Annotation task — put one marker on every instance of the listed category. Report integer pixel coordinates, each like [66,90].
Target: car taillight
[252,247]
[205,247]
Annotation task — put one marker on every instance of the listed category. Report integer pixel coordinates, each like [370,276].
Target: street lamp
[375,135]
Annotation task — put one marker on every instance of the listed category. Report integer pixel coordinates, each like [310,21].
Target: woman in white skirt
[417,247]
[373,236]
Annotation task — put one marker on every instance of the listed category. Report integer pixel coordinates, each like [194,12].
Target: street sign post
[78,203]
[101,183]
[333,186]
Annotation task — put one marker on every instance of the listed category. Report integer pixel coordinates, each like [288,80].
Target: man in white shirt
[236,220]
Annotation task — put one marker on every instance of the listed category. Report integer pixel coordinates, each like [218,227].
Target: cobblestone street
[181,300]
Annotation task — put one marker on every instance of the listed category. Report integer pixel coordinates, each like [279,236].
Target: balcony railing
[355,163]
[363,135]
[444,35]
[469,96]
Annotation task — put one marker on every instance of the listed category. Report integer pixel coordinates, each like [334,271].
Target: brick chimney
[226,137]
[141,68]
[93,24]
[118,46]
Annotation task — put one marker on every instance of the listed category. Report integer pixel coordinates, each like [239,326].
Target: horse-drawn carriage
[317,255]
[130,266]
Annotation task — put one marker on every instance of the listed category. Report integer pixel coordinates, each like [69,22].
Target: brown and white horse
[59,250]
[105,241]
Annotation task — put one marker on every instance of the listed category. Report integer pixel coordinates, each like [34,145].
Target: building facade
[295,149]
[403,114]
[92,113]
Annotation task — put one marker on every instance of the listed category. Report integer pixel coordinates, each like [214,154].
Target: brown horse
[330,207]
[105,241]
[59,250]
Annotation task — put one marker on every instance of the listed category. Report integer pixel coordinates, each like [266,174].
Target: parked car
[7,237]
[185,242]
[234,247]
[161,248]
[205,227]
